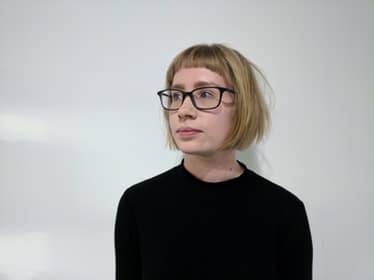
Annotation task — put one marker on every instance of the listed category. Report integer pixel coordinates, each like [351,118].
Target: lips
[188,131]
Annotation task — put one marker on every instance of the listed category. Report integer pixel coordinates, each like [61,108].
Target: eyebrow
[197,84]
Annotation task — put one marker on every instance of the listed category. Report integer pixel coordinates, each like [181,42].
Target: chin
[194,150]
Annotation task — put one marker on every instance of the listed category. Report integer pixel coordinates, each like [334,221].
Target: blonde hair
[252,118]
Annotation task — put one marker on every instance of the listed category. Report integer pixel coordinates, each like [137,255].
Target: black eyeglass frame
[222,90]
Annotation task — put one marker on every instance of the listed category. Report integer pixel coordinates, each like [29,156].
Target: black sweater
[175,226]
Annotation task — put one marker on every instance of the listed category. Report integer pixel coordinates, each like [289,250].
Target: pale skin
[199,134]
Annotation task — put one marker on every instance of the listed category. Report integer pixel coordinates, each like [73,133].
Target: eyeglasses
[203,98]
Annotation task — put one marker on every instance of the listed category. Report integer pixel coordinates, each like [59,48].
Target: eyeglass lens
[203,98]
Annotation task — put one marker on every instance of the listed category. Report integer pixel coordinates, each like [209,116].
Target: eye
[205,94]
[176,96]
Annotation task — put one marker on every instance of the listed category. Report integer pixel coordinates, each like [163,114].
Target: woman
[211,217]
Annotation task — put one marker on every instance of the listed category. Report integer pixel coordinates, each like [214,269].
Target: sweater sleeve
[295,252]
[127,253]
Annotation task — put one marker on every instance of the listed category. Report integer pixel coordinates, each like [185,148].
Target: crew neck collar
[192,177]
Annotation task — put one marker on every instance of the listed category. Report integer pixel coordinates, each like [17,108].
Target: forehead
[197,76]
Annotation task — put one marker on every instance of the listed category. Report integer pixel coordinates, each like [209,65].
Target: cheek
[228,123]
[222,126]
[227,117]
[172,121]
[169,118]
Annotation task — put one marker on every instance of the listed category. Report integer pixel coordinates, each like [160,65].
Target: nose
[187,109]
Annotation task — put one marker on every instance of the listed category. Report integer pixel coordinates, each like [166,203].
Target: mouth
[188,131]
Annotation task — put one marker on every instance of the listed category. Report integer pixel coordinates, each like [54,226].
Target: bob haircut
[252,118]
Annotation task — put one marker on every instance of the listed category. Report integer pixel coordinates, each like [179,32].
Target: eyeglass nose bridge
[190,95]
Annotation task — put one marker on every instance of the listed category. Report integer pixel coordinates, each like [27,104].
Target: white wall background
[80,121]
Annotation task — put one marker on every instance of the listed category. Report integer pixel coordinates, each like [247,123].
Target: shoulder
[285,206]
[275,193]
[151,186]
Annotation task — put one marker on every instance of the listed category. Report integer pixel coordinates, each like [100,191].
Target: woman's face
[195,131]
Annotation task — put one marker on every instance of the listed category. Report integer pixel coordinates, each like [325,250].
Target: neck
[219,167]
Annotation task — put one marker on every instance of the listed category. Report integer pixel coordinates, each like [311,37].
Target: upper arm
[126,240]
[295,249]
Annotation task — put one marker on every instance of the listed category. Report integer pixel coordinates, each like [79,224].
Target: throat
[213,171]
